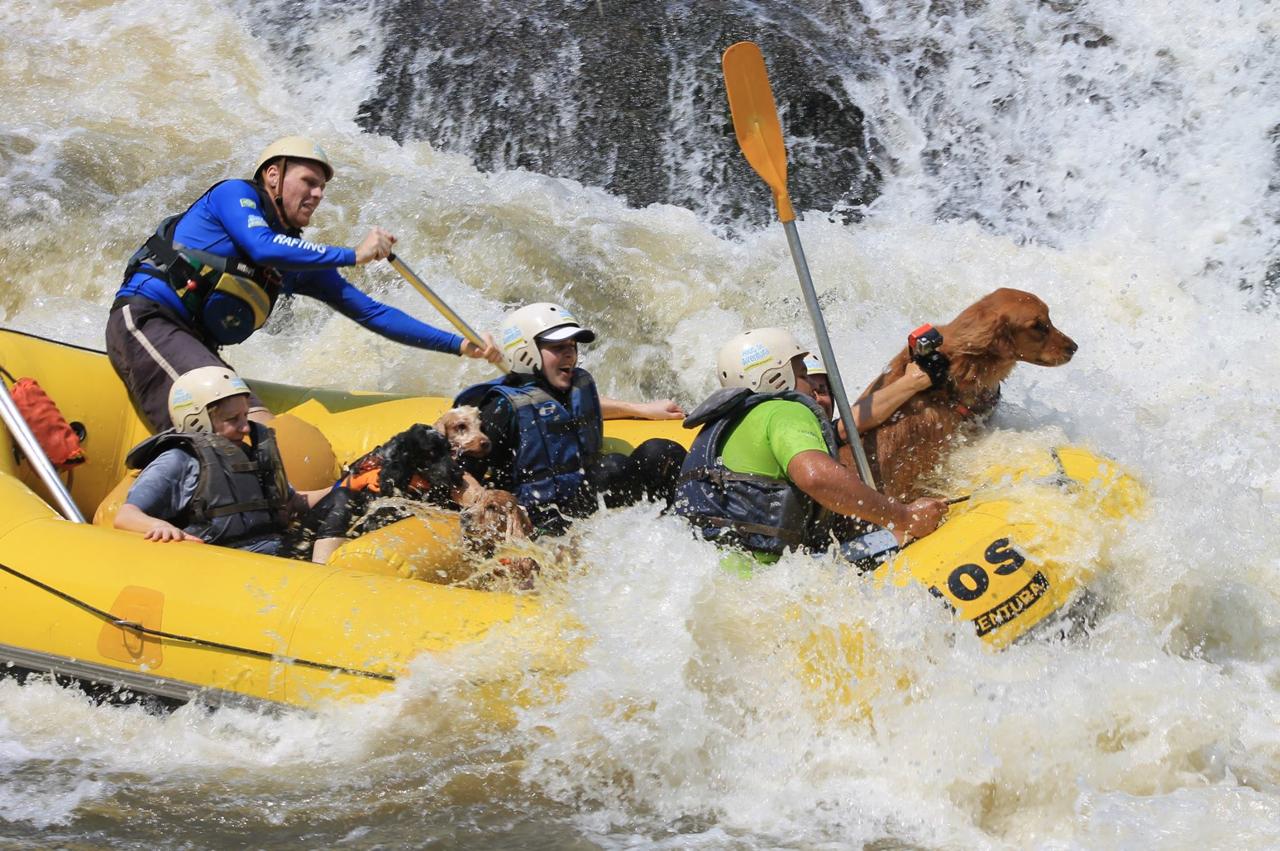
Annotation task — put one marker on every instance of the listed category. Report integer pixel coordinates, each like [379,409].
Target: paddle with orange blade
[755,122]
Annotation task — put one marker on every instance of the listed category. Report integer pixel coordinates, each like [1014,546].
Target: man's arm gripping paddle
[445,310]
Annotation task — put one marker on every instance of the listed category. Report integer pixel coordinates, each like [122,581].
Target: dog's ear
[982,329]
[424,439]
[443,422]
[398,464]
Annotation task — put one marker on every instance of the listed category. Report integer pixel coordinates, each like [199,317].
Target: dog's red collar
[983,404]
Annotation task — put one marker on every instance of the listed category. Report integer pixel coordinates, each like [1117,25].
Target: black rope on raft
[187,639]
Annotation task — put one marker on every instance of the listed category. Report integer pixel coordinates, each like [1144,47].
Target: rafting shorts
[149,346]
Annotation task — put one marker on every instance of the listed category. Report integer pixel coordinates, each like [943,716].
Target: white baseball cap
[567,332]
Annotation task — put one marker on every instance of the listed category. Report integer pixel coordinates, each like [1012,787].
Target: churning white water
[1119,160]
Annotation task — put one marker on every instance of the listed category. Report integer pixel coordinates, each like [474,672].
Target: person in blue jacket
[210,276]
[545,424]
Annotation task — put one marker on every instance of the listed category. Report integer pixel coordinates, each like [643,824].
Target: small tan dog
[493,518]
[489,517]
[461,427]
[982,345]
[493,515]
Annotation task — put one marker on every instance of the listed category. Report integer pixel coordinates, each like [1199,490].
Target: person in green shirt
[764,465]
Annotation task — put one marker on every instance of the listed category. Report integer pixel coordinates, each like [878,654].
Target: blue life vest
[554,443]
[757,513]
[229,297]
[238,497]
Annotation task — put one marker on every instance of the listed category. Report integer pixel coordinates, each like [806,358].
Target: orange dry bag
[57,438]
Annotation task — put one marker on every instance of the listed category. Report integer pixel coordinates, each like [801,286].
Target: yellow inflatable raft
[186,621]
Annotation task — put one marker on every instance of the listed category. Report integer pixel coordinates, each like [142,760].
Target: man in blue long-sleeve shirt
[210,276]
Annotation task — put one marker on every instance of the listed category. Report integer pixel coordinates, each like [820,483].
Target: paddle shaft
[824,347]
[30,446]
[438,303]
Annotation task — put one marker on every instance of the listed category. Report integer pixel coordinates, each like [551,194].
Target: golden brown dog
[491,518]
[983,344]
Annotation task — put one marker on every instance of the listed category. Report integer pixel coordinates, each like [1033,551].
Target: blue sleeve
[235,205]
[334,290]
[166,485]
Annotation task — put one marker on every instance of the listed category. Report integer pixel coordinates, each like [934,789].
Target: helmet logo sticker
[511,337]
[754,355]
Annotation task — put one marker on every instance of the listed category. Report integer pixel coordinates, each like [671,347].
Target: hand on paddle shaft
[489,351]
[473,345]
[375,246]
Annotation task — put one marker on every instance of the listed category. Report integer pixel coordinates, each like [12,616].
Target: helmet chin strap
[279,197]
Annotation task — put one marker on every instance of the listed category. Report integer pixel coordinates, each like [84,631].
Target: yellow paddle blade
[755,120]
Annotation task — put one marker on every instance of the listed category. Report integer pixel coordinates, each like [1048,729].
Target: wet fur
[983,344]
[461,427]
[431,453]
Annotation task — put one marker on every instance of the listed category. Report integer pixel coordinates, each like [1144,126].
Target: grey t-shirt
[165,487]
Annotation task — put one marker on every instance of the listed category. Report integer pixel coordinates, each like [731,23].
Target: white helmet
[537,323]
[294,148]
[760,360]
[194,391]
[814,364]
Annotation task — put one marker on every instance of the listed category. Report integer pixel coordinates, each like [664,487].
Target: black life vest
[238,496]
[754,512]
[229,297]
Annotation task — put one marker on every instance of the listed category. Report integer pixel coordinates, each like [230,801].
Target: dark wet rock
[627,96]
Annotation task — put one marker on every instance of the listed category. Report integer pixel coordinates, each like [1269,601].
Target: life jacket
[229,297]
[757,513]
[232,487]
[554,443]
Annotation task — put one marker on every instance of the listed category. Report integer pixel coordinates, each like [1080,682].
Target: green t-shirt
[763,443]
[769,436]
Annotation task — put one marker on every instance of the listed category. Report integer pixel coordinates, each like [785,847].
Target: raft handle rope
[197,642]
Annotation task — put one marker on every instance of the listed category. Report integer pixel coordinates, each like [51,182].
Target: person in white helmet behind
[871,408]
[545,423]
[765,462]
[202,482]
[210,276]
